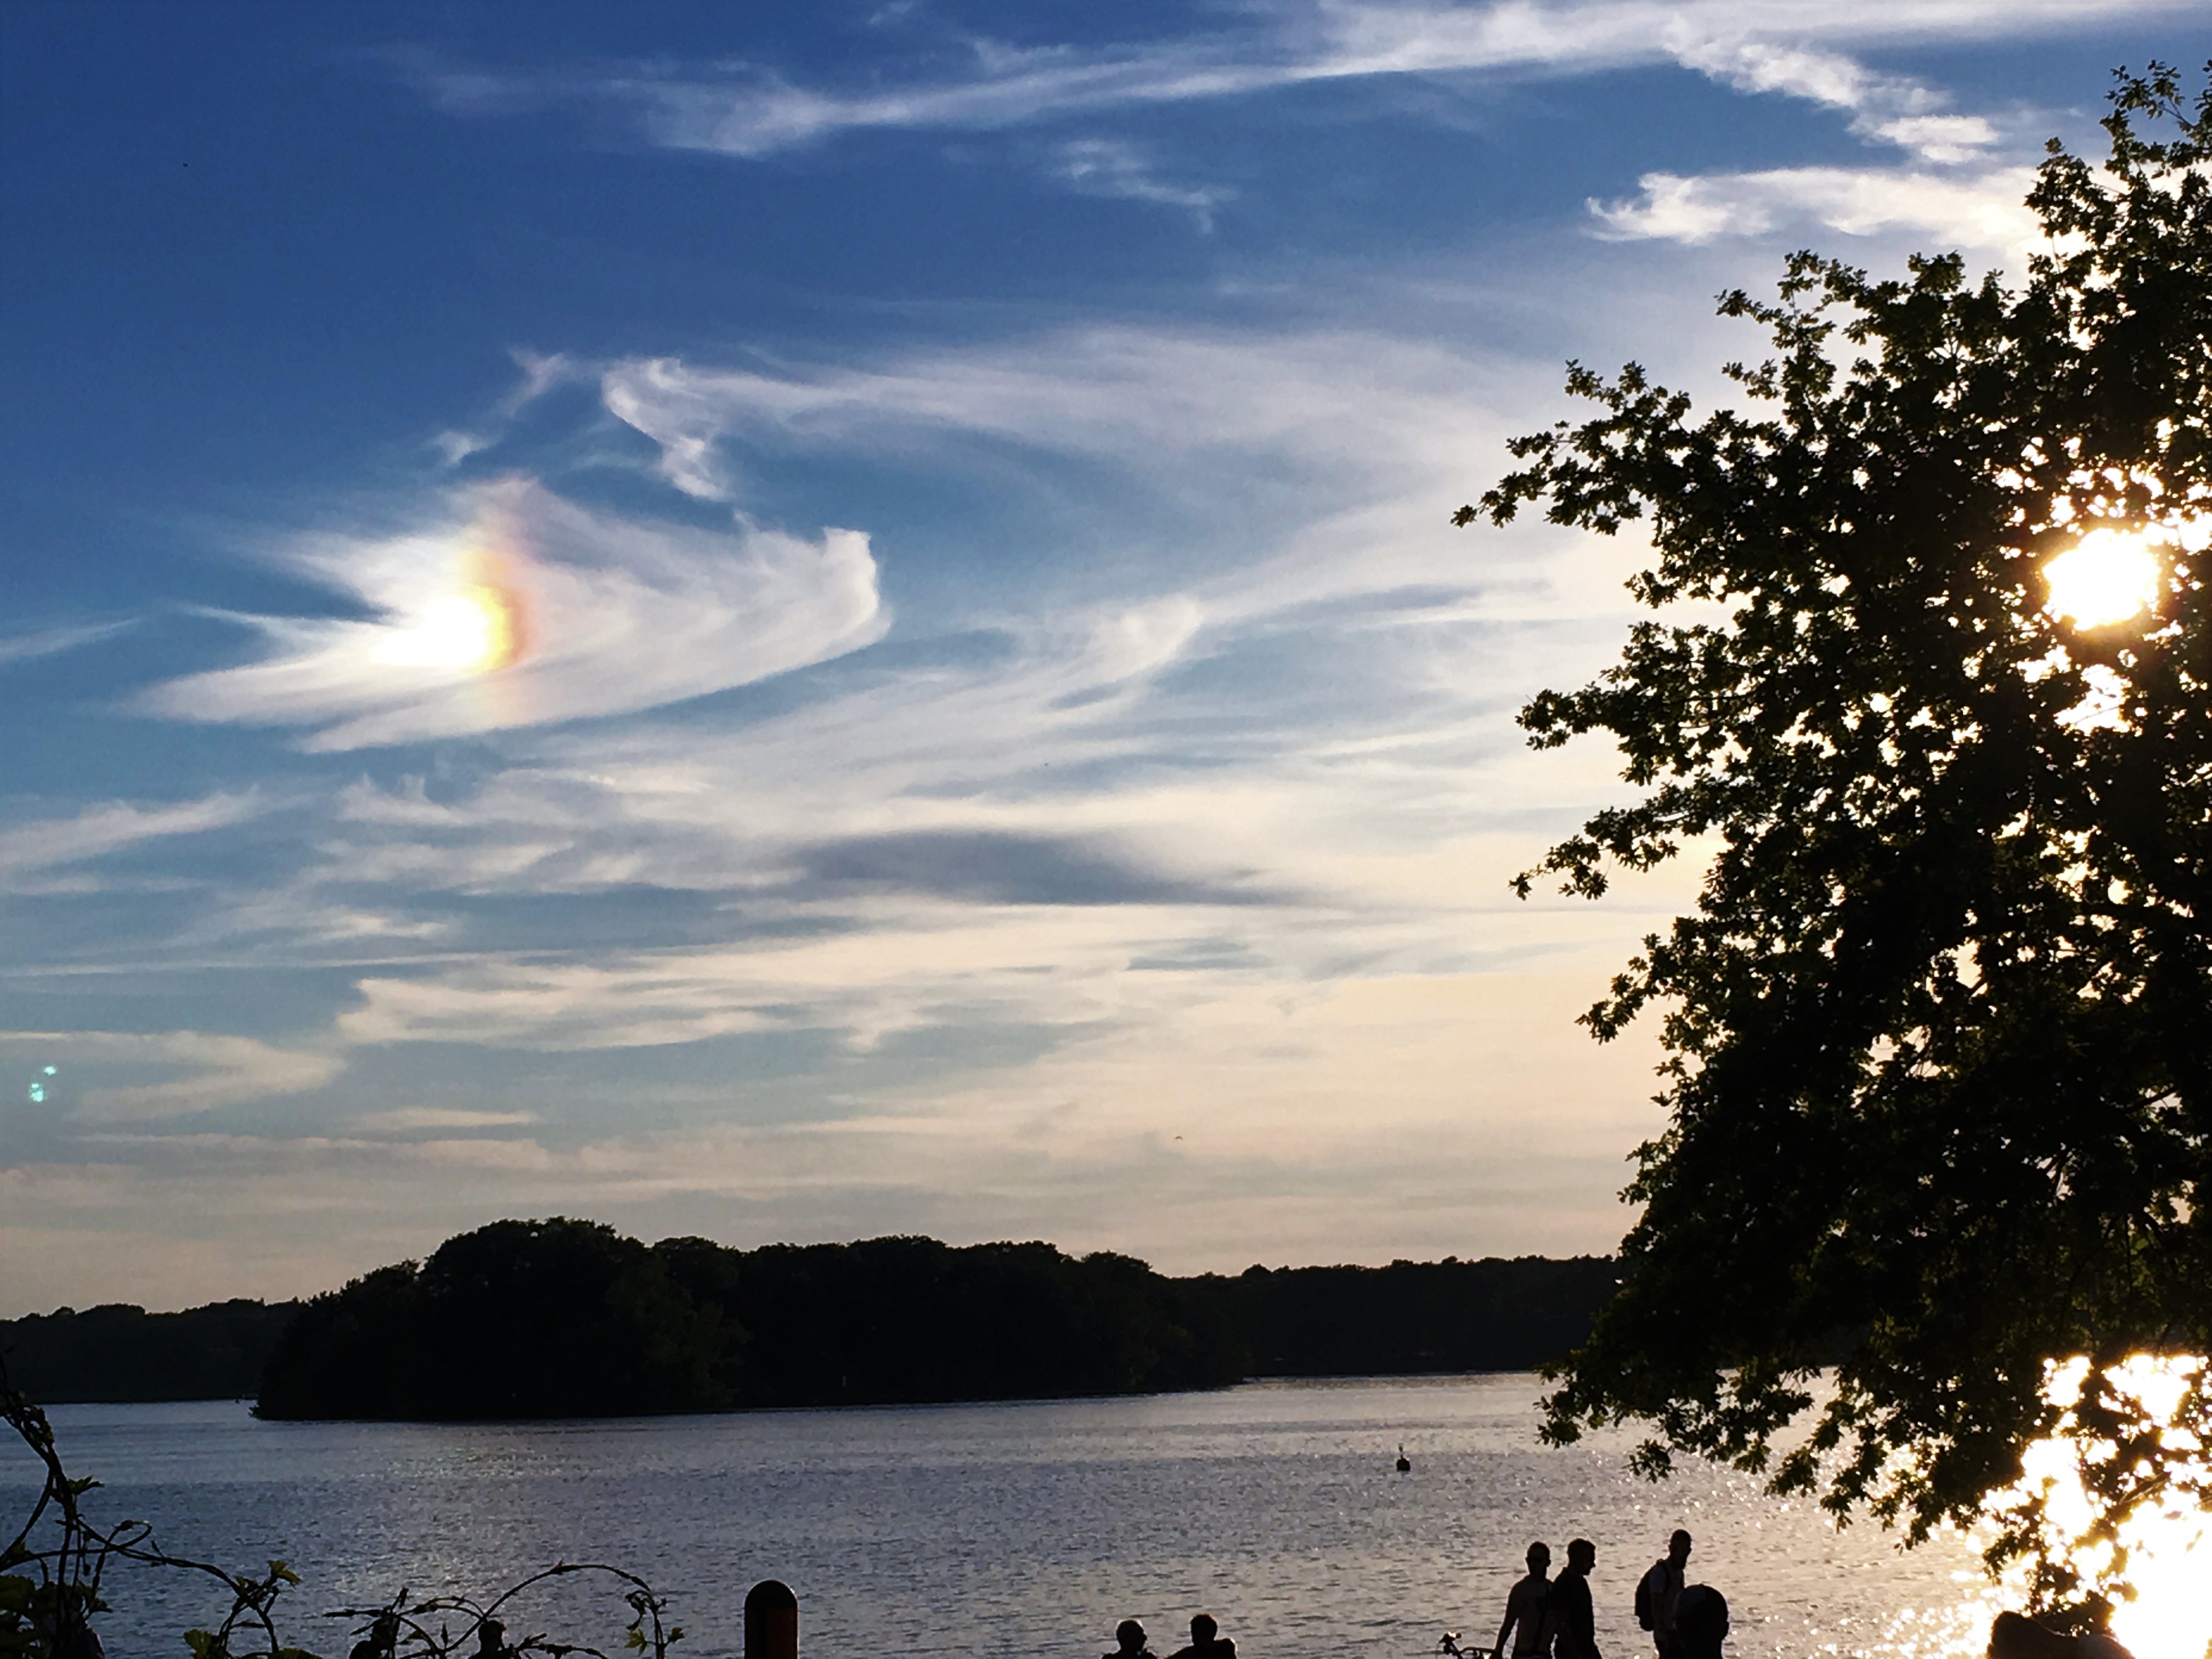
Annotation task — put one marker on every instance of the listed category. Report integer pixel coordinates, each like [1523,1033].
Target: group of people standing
[1556,1618]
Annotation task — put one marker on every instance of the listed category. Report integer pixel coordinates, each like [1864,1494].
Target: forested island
[565,1318]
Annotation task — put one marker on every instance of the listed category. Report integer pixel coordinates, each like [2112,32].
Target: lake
[1024,1528]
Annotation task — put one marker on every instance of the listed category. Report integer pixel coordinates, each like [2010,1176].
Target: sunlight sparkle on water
[2107,577]
[2163,1550]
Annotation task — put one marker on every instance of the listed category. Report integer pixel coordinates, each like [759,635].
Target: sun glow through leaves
[2107,577]
[2139,1438]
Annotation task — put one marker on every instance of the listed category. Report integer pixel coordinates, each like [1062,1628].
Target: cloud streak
[52,641]
[610,614]
[1985,211]
[1756,44]
[1122,172]
[96,831]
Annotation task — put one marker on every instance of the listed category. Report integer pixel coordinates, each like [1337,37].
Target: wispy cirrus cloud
[52,641]
[1755,45]
[1124,172]
[525,609]
[92,832]
[1161,400]
[1987,211]
[413,1120]
[1892,108]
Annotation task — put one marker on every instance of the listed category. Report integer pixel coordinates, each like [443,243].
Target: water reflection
[1024,1528]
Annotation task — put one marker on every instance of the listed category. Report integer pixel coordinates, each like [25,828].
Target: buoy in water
[1405,1463]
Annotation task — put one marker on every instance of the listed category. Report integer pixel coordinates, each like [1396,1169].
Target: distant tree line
[562,1318]
[121,1353]
[1411,1316]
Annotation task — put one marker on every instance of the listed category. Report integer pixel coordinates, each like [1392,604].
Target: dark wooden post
[771,1621]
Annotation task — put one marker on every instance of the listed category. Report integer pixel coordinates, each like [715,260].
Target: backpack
[1649,1589]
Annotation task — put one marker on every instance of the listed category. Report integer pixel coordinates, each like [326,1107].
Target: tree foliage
[1939,1031]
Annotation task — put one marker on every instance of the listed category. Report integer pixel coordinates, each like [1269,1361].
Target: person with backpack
[1659,1589]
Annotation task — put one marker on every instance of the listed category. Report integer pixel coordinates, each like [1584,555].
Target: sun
[2108,576]
[474,629]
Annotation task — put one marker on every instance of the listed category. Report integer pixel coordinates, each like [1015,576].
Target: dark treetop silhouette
[1940,1063]
[561,1318]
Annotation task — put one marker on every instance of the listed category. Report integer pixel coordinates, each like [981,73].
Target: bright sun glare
[2167,1539]
[472,630]
[2107,576]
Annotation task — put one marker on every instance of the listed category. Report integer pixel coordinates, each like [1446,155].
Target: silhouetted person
[1656,1593]
[1701,1622]
[1573,1619]
[1206,1641]
[382,1640]
[1129,1641]
[2012,1636]
[1525,1605]
[491,1641]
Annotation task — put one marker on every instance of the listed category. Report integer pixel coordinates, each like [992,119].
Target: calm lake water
[1013,1529]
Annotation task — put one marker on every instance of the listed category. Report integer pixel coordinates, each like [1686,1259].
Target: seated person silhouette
[1206,1641]
[382,1640]
[2012,1636]
[1129,1641]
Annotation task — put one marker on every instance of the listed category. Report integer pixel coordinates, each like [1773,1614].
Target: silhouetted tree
[555,1318]
[1940,1030]
[351,1352]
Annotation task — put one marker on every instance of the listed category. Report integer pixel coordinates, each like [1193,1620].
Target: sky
[794,622]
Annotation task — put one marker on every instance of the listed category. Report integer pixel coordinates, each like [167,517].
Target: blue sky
[794,621]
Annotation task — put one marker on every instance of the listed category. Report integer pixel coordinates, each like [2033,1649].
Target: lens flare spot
[2108,576]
